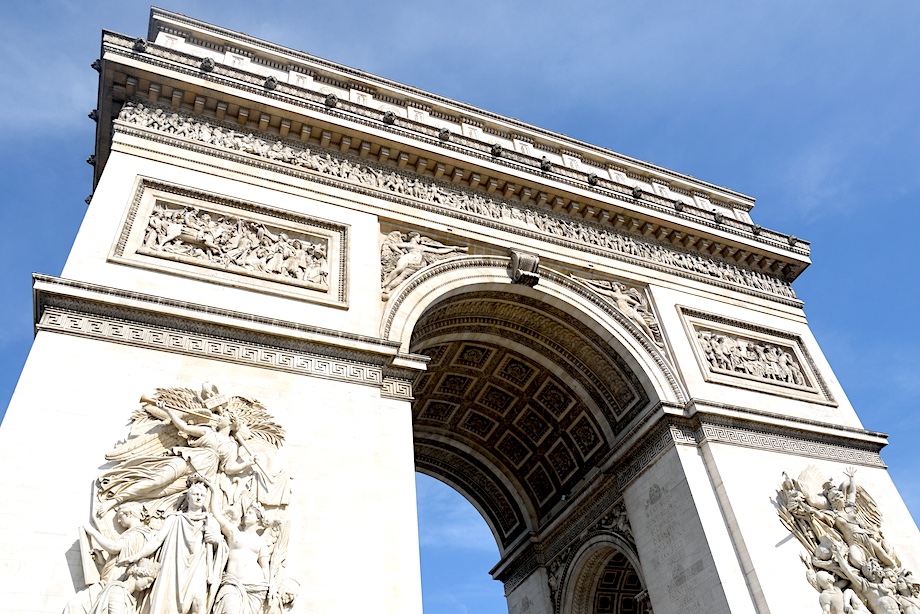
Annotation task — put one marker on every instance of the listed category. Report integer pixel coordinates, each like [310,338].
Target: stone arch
[605,565]
[528,389]
[467,273]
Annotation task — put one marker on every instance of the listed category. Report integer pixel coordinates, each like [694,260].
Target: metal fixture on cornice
[93,115]
[271,82]
[793,240]
[637,192]
[207,65]
[140,45]
[593,179]
[91,160]
[444,134]
[545,164]
[496,150]
[717,217]
[389,117]
[756,228]
[96,65]
[678,205]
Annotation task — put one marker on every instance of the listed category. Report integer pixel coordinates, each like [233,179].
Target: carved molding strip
[218,239]
[442,197]
[777,442]
[397,389]
[183,342]
[744,355]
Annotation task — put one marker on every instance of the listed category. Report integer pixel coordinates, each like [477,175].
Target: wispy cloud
[448,521]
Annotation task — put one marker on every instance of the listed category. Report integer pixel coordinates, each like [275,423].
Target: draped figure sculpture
[190,456]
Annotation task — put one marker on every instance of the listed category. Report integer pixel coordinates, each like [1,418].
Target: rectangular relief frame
[743,355]
[215,238]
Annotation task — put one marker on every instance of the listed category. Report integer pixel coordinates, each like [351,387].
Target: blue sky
[811,107]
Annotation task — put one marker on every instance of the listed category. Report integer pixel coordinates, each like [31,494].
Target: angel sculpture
[630,302]
[176,435]
[401,257]
[840,527]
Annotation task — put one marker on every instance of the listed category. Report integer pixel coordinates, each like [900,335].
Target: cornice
[348,111]
[161,20]
[108,314]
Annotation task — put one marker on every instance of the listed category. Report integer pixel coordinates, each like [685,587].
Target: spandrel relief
[631,302]
[402,255]
[208,238]
[848,560]
[190,514]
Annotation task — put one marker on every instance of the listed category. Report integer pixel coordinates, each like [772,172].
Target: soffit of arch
[547,331]
[748,245]
[432,195]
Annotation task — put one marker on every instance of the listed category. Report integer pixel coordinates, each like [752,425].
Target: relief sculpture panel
[190,514]
[740,354]
[207,238]
[222,240]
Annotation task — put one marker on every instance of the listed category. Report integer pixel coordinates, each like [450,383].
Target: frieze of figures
[849,561]
[756,358]
[403,183]
[207,238]
[190,516]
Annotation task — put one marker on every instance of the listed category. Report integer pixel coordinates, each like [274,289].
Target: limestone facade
[607,358]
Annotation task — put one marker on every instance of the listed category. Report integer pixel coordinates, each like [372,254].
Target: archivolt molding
[581,563]
[438,281]
[409,188]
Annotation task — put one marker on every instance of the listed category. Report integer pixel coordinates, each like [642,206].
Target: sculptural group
[236,244]
[849,561]
[199,490]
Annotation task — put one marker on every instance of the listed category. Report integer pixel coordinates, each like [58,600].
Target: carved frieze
[849,561]
[222,240]
[739,354]
[393,183]
[191,508]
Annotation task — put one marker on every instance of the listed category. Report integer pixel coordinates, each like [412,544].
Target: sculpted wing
[253,415]
[811,483]
[867,510]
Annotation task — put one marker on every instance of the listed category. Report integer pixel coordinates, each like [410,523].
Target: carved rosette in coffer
[743,355]
[237,243]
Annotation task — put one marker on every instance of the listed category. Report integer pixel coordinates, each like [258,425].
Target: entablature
[133,67]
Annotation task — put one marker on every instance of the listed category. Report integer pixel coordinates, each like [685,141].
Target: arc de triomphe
[297,284]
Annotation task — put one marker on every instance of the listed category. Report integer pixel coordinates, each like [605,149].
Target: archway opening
[456,549]
[618,588]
